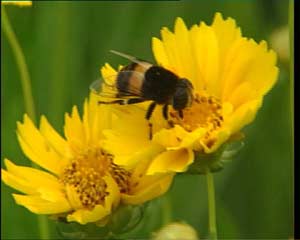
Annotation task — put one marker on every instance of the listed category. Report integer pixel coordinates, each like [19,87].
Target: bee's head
[183,96]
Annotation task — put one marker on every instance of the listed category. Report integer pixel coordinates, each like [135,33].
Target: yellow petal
[205,47]
[58,143]
[241,94]
[32,181]
[216,140]
[96,117]
[84,216]
[16,182]
[86,123]
[143,159]
[184,49]
[261,75]
[124,139]
[160,53]
[146,192]
[243,115]
[167,138]
[73,197]
[74,130]
[169,41]
[171,161]
[226,33]
[37,148]
[123,146]
[35,176]
[178,137]
[40,206]
[107,71]
[248,62]
[113,198]
[188,138]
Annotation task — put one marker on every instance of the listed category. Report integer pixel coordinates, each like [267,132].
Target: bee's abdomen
[123,78]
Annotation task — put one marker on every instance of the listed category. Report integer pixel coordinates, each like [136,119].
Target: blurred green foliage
[65,43]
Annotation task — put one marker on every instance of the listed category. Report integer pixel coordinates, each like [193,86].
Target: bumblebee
[142,81]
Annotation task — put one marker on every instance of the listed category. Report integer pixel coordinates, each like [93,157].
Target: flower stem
[167,210]
[28,99]
[211,206]
[21,63]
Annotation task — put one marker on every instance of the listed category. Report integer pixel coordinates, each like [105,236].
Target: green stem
[211,206]
[21,63]
[167,210]
[28,99]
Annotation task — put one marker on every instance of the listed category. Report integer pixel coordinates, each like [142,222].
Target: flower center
[85,174]
[121,176]
[205,112]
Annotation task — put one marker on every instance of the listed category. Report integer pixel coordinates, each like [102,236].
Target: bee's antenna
[131,58]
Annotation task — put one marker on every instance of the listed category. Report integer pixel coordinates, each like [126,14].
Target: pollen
[85,174]
[205,112]
[121,176]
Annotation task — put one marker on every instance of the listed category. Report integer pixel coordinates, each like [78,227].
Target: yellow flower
[80,180]
[230,74]
[18,3]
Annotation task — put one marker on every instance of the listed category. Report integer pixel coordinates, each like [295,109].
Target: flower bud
[176,231]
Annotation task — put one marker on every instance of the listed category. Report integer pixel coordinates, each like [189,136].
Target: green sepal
[204,161]
[73,230]
[125,218]
[215,161]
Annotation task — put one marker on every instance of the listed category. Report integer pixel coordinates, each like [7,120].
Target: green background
[65,43]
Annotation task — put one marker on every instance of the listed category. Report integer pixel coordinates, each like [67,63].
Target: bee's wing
[107,87]
[95,87]
[141,62]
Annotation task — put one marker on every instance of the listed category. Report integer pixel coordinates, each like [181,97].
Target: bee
[142,81]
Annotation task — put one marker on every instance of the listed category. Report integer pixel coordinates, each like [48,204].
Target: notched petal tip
[218,16]
[179,25]
[43,120]
[7,163]
[165,32]
[203,24]
[75,112]
[26,121]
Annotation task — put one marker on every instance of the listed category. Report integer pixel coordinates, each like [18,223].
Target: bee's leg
[180,113]
[119,101]
[165,112]
[123,101]
[135,100]
[148,116]
[171,123]
[150,110]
